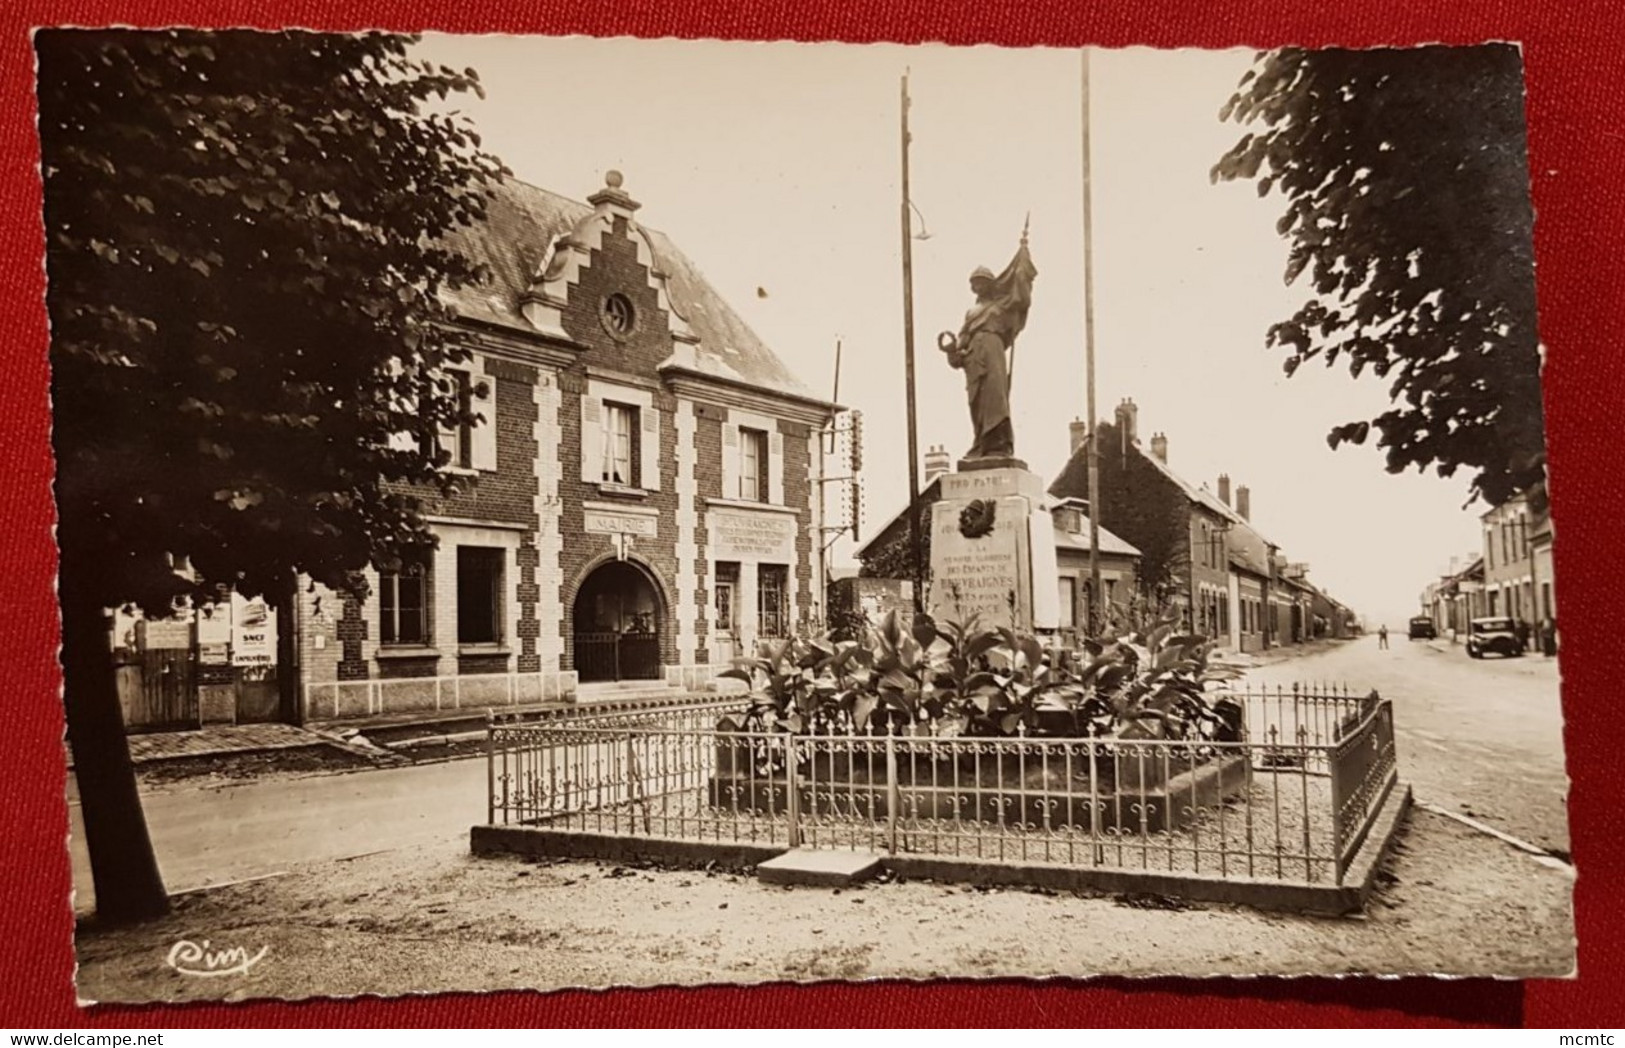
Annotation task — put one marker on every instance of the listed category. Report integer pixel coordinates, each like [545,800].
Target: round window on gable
[620,318]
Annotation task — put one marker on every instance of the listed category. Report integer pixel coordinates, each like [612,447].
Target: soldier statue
[982,349]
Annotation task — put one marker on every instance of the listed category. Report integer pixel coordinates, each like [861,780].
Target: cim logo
[203,960]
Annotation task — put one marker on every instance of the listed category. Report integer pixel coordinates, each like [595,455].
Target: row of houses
[1163,542]
[1510,574]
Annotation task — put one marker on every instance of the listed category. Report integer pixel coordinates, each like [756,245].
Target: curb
[1333,900]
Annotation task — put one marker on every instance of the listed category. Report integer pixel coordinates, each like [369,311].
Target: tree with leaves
[244,288]
[1408,212]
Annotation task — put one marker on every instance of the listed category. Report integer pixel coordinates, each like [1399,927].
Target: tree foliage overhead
[1408,213]
[245,297]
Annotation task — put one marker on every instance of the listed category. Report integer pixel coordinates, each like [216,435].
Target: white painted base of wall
[363,699]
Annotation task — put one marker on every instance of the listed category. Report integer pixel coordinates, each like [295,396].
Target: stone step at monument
[819,869]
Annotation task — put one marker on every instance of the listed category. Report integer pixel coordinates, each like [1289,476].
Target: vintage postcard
[544,513]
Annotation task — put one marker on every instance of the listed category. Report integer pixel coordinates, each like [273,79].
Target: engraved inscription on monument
[981,576]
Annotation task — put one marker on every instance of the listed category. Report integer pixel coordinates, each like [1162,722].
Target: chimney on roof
[1159,446]
[937,462]
[1244,502]
[1078,430]
[612,199]
[1224,488]
[1128,418]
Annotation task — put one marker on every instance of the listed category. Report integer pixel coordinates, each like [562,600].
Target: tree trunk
[287,652]
[122,865]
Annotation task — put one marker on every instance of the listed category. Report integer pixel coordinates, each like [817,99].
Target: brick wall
[707,485]
[351,631]
[798,495]
[1141,505]
[614,269]
[509,493]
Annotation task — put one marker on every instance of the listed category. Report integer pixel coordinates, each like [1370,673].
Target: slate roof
[1248,547]
[1109,543]
[521,224]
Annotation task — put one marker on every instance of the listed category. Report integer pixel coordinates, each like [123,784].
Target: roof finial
[613,179]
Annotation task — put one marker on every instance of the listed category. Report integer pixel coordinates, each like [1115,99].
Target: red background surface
[1576,78]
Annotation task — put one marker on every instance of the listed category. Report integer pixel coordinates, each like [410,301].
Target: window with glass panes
[479,594]
[771,607]
[726,589]
[403,605]
[620,434]
[753,465]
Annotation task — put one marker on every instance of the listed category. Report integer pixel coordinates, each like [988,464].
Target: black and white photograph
[554,512]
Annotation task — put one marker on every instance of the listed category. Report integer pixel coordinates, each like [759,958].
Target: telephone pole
[1096,597]
[908,365]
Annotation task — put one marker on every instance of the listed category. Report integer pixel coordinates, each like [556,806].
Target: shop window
[772,611]
[479,594]
[403,606]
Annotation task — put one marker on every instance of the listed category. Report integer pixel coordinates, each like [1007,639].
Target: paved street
[216,835]
[1478,736]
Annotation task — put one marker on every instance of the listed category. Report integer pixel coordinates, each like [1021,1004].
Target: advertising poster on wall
[253,632]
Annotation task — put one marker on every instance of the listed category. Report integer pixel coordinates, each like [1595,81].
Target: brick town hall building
[639,501]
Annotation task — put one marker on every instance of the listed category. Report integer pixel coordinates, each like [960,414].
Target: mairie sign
[603,522]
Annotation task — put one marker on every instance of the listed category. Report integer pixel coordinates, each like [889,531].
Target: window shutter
[447,435]
[401,441]
[649,443]
[592,439]
[775,467]
[730,460]
[484,451]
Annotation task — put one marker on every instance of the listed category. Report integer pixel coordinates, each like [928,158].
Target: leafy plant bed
[1032,800]
[970,763]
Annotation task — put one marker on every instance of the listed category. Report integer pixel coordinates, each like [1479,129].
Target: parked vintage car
[1498,635]
[1422,628]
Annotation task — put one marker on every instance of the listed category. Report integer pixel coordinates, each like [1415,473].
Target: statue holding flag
[984,345]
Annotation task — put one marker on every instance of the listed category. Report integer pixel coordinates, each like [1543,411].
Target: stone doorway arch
[617,618]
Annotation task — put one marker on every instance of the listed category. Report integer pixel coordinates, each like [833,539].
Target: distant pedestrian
[1382,636]
[1521,630]
[1548,637]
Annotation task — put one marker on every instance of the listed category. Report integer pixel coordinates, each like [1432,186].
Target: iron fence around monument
[1291,801]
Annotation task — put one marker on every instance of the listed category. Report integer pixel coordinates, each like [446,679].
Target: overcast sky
[776,167]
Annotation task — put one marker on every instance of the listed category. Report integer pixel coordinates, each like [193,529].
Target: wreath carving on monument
[976,519]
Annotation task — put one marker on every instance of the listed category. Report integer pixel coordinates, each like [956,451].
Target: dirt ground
[436,919]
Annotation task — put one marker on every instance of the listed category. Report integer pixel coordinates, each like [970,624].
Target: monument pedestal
[993,549]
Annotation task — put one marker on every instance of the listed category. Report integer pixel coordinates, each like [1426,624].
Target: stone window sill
[622,491]
[765,507]
[407,651]
[475,650]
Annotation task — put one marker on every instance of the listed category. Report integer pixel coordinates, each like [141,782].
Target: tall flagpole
[1096,597]
[908,366]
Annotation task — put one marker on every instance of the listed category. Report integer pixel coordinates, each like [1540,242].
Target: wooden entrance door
[163,692]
